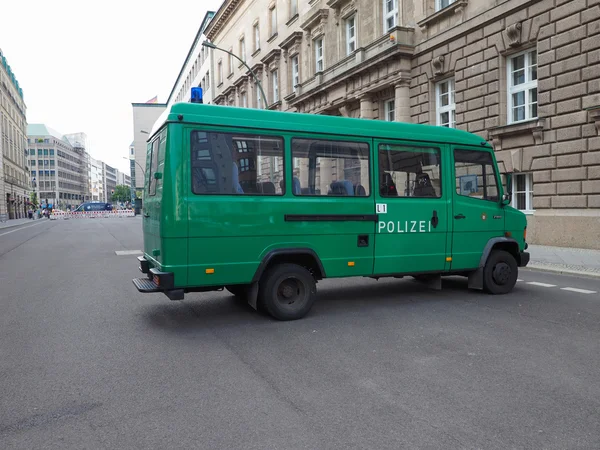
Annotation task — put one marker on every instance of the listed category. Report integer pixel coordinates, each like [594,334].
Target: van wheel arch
[498,243]
[304,257]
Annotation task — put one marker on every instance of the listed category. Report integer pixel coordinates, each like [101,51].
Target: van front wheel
[287,291]
[500,272]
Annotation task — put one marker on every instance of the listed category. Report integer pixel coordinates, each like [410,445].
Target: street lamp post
[213,46]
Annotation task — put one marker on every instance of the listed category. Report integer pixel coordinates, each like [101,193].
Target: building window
[230,62]
[256,37]
[258,96]
[32,162]
[522,191]
[273,14]
[441,4]
[318,55]
[389,107]
[293,8]
[207,80]
[243,49]
[444,103]
[220,69]
[390,16]
[522,87]
[350,35]
[275,85]
[244,100]
[51,152]
[295,73]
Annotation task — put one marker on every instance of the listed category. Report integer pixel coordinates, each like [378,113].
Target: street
[88,362]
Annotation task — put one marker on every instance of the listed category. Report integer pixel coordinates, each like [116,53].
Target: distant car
[94,206]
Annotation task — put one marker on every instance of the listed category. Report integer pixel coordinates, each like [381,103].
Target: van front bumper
[523,259]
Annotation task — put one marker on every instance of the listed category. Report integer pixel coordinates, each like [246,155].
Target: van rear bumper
[156,281]
[523,259]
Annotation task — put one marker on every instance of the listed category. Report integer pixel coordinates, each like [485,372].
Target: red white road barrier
[92,214]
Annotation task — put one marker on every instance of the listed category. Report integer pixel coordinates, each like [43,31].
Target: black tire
[287,291]
[239,290]
[500,273]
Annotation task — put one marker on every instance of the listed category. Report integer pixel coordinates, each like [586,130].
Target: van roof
[286,121]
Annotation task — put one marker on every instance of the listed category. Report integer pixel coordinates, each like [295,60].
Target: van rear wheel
[287,291]
[500,272]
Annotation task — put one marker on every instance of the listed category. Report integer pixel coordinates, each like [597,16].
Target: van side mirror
[157,175]
[506,199]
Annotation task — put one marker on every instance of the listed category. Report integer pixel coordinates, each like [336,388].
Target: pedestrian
[30,213]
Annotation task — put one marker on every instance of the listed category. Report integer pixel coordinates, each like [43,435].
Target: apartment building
[15,184]
[523,75]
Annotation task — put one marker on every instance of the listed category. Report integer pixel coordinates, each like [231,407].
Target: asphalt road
[87,362]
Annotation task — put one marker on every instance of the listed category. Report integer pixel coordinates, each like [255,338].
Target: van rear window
[236,164]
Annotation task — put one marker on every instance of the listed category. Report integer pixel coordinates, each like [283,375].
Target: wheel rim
[290,293]
[502,273]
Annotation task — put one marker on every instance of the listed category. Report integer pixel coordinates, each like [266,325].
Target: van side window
[406,171]
[236,164]
[332,168]
[153,164]
[475,175]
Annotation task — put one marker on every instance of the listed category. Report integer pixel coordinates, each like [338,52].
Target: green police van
[265,204]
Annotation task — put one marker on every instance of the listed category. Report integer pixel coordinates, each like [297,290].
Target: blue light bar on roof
[196,95]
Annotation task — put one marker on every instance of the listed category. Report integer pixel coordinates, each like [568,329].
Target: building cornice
[220,19]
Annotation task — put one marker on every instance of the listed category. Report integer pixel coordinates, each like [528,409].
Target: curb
[543,268]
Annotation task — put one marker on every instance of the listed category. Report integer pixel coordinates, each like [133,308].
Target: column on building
[366,106]
[402,100]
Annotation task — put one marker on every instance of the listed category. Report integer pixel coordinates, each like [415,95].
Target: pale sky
[82,63]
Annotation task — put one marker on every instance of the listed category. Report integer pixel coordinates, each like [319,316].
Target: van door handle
[434,219]
[146,215]
[460,216]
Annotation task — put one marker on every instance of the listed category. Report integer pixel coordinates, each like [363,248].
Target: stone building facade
[524,75]
[15,184]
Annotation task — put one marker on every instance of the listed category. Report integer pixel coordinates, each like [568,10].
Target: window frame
[494,167]
[387,110]
[450,108]
[245,133]
[415,145]
[256,29]
[318,43]
[295,72]
[220,71]
[351,40]
[391,14]
[275,85]
[243,48]
[273,21]
[293,8]
[366,142]
[525,87]
[528,192]
[439,7]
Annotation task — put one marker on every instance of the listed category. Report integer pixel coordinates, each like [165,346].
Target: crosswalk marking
[581,291]
[535,283]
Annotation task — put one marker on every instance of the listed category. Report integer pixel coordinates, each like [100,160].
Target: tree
[34,200]
[122,193]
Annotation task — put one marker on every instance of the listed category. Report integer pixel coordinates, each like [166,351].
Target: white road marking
[518,279]
[535,283]
[22,228]
[128,252]
[581,291]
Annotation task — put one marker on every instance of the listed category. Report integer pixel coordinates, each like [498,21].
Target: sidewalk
[15,222]
[575,261]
